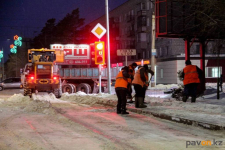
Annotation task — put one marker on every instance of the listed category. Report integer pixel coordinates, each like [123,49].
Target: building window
[161,73]
[143,7]
[167,50]
[139,55]
[160,51]
[141,37]
[213,72]
[197,49]
[147,54]
[148,3]
[142,21]
[148,22]
[143,52]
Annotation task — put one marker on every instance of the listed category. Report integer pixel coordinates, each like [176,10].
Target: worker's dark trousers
[139,92]
[190,89]
[121,95]
[144,91]
[129,90]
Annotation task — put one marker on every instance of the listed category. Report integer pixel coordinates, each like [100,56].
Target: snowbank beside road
[199,110]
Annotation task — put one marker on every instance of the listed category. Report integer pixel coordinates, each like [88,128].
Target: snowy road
[65,125]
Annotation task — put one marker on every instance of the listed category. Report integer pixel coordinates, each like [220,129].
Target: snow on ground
[165,87]
[199,110]
[90,99]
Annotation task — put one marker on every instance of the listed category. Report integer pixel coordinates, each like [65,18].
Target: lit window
[213,72]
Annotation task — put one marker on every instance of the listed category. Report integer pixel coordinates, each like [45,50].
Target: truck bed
[86,73]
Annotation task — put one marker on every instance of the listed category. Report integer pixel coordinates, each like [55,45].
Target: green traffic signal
[1,54]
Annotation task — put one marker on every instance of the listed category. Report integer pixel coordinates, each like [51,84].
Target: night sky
[27,17]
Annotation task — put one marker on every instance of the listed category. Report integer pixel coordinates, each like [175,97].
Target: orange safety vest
[190,75]
[137,78]
[132,74]
[120,81]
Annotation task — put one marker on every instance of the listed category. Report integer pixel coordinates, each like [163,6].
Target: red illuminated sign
[119,65]
[75,54]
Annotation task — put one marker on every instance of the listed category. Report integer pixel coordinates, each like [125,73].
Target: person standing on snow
[191,75]
[121,90]
[138,82]
[146,84]
[131,73]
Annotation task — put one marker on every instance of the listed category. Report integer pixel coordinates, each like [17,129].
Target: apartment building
[130,28]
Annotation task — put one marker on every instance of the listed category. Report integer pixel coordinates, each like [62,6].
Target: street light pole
[153,61]
[108,47]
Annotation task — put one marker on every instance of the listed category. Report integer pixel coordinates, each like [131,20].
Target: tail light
[55,77]
[31,77]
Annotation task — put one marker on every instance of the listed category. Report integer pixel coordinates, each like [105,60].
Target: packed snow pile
[165,87]
[43,96]
[192,107]
[19,98]
[18,101]
[42,103]
[1,101]
[40,107]
[90,99]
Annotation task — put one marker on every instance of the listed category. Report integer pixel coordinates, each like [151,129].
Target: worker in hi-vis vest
[146,76]
[121,90]
[129,87]
[191,75]
[138,83]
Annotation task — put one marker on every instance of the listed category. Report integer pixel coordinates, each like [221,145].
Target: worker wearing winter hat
[138,82]
[129,88]
[121,90]
[146,84]
[191,75]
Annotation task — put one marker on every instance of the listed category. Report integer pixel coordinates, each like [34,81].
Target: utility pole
[153,60]
[108,47]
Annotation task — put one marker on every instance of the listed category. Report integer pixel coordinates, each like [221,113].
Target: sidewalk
[207,112]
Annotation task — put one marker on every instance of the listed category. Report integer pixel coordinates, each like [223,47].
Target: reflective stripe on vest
[120,81]
[191,75]
[137,78]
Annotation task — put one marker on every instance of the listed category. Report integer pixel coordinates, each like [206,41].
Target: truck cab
[41,73]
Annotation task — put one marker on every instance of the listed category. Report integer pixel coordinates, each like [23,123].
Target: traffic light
[99,53]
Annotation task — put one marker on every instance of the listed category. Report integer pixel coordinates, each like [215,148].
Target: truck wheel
[24,92]
[27,92]
[67,88]
[1,88]
[74,88]
[83,87]
[89,87]
[57,93]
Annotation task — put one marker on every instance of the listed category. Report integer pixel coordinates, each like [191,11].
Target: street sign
[153,52]
[126,52]
[98,30]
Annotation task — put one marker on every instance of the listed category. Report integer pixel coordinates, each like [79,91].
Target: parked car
[10,83]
